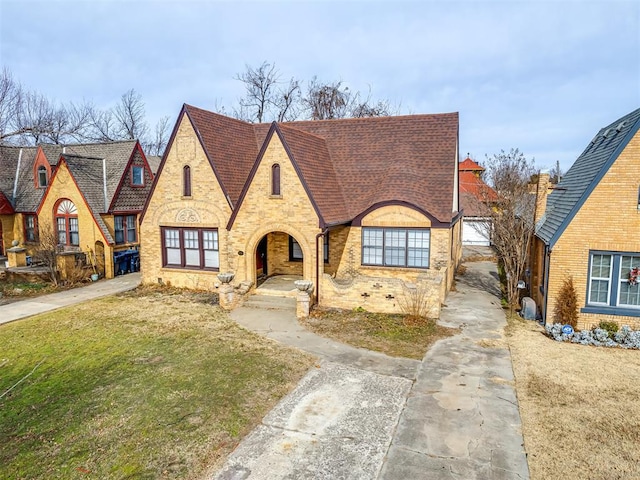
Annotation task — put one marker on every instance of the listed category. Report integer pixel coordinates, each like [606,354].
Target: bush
[598,337]
[610,327]
[566,309]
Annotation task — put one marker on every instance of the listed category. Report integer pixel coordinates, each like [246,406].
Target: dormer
[41,170]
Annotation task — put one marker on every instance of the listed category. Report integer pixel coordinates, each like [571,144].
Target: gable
[130,197]
[256,204]
[64,185]
[584,175]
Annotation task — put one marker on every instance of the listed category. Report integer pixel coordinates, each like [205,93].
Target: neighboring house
[88,195]
[474,198]
[363,208]
[589,230]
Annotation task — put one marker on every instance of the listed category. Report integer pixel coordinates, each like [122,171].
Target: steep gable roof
[470,165]
[88,174]
[347,165]
[584,175]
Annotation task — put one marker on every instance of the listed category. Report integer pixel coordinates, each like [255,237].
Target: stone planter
[303,285]
[226,278]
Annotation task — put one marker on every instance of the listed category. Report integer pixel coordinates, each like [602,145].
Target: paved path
[361,416]
[33,306]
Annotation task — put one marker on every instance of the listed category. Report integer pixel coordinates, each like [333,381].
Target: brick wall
[609,220]
[206,207]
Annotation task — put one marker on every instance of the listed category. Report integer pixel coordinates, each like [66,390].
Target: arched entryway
[279,259]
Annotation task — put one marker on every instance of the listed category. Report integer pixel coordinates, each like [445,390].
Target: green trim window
[396,247]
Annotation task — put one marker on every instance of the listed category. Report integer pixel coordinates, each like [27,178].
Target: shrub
[566,309]
[610,327]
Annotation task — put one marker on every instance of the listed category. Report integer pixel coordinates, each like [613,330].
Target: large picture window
[613,282]
[396,247]
[190,248]
[125,229]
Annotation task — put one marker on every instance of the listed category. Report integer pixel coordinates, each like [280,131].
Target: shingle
[349,165]
[583,175]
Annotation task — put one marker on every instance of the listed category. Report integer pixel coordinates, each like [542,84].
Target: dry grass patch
[157,383]
[579,405]
[394,335]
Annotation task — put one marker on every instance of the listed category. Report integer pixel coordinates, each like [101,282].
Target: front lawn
[149,384]
[579,405]
[392,334]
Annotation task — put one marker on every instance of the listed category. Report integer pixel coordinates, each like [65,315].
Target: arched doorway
[279,261]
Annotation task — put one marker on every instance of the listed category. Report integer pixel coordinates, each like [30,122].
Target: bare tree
[10,99]
[46,252]
[156,145]
[325,101]
[130,116]
[511,218]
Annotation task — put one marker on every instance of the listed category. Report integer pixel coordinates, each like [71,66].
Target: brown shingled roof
[347,165]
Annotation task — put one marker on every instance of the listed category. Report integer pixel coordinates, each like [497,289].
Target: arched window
[275,179]
[66,216]
[186,181]
[42,176]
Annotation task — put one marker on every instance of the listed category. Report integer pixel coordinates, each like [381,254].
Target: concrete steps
[270,302]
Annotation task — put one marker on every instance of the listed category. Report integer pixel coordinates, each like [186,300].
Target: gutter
[545,283]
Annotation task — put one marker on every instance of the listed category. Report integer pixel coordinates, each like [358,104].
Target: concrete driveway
[360,415]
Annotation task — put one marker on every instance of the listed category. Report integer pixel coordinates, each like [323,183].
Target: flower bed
[598,337]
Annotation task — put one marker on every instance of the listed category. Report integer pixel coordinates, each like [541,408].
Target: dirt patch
[579,405]
[394,335]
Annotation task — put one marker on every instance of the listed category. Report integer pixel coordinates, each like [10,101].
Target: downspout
[104,179]
[15,182]
[318,257]
[545,283]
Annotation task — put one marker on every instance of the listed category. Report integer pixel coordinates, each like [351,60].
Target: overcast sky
[542,76]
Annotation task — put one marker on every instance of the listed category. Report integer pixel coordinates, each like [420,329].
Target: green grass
[156,386]
[394,335]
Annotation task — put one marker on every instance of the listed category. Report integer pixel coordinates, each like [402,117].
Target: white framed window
[396,247]
[600,279]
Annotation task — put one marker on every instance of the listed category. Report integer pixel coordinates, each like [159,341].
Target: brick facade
[608,221]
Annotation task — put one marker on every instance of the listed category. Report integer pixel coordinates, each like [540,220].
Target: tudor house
[88,195]
[366,209]
[588,231]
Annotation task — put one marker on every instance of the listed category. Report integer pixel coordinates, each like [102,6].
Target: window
[275,180]
[186,181]
[191,248]
[295,251]
[613,287]
[125,228]
[30,228]
[137,176]
[42,176]
[66,221]
[396,247]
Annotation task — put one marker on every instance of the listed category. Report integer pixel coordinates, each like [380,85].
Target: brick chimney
[542,190]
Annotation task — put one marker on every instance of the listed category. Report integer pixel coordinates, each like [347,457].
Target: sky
[540,76]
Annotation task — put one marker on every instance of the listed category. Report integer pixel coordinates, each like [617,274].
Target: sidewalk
[365,420]
[33,306]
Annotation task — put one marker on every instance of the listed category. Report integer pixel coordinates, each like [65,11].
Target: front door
[261,258]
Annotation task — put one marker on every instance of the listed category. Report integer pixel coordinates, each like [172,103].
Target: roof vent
[607,132]
[620,126]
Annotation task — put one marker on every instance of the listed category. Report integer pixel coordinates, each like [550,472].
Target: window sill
[390,267]
[173,268]
[617,311]
[276,196]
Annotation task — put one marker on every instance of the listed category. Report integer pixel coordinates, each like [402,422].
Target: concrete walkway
[367,416]
[33,306]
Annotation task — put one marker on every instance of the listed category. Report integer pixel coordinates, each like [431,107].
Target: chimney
[542,190]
